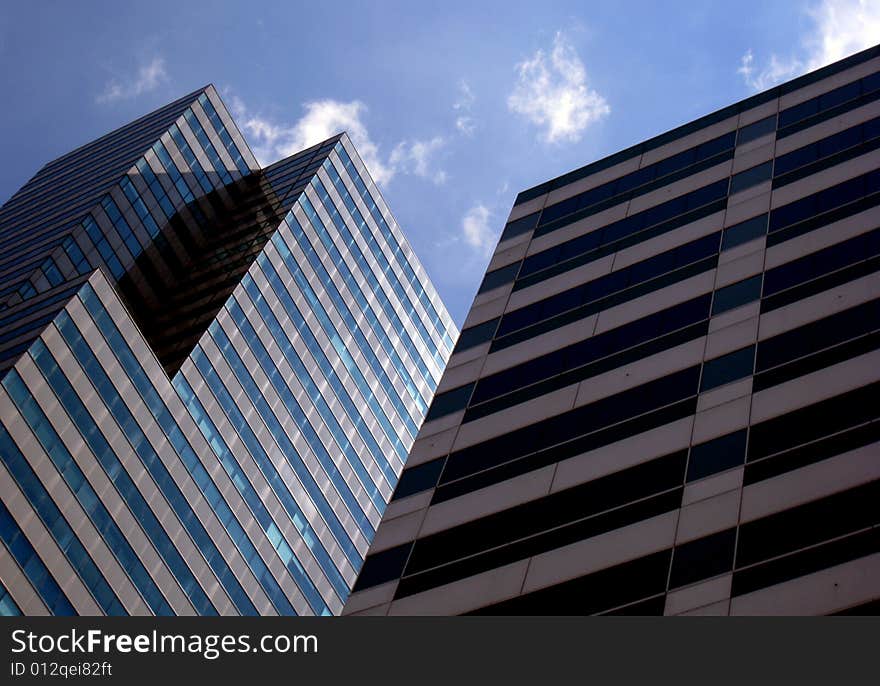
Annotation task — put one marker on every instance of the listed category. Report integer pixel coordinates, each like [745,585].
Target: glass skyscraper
[666,396]
[211,373]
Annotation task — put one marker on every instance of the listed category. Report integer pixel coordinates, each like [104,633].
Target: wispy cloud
[838,28]
[551,92]
[464,122]
[477,231]
[416,157]
[325,118]
[775,71]
[149,77]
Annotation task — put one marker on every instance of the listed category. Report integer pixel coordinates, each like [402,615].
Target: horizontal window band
[584,529]
[810,453]
[825,206]
[604,249]
[550,512]
[606,364]
[817,285]
[646,576]
[592,593]
[820,419]
[573,423]
[418,478]
[826,261]
[763,380]
[517,227]
[751,177]
[805,562]
[826,163]
[817,222]
[816,361]
[609,283]
[870,608]
[498,277]
[522,465]
[605,303]
[550,221]
[786,130]
[756,130]
[805,525]
[476,335]
[717,455]
[817,335]
[592,348]
[655,332]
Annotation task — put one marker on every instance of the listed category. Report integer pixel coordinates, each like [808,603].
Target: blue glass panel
[32,566]
[85,494]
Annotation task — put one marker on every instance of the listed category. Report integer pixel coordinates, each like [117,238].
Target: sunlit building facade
[666,396]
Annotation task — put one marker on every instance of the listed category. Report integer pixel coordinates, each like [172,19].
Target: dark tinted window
[751,177]
[727,368]
[756,130]
[475,335]
[449,402]
[519,226]
[499,277]
[717,455]
[419,478]
[744,232]
[736,294]
[382,567]
[702,558]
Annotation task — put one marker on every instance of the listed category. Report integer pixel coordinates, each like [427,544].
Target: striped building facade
[211,373]
[666,396]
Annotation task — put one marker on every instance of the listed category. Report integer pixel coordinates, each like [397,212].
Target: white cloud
[271,141]
[148,78]
[552,93]
[415,157]
[464,122]
[476,230]
[839,28]
[465,125]
[322,119]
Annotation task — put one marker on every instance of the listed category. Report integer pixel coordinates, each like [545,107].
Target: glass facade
[212,373]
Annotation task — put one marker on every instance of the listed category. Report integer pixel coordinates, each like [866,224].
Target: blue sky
[455,106]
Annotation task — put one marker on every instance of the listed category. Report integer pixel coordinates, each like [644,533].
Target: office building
[666,396]
[212,373]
